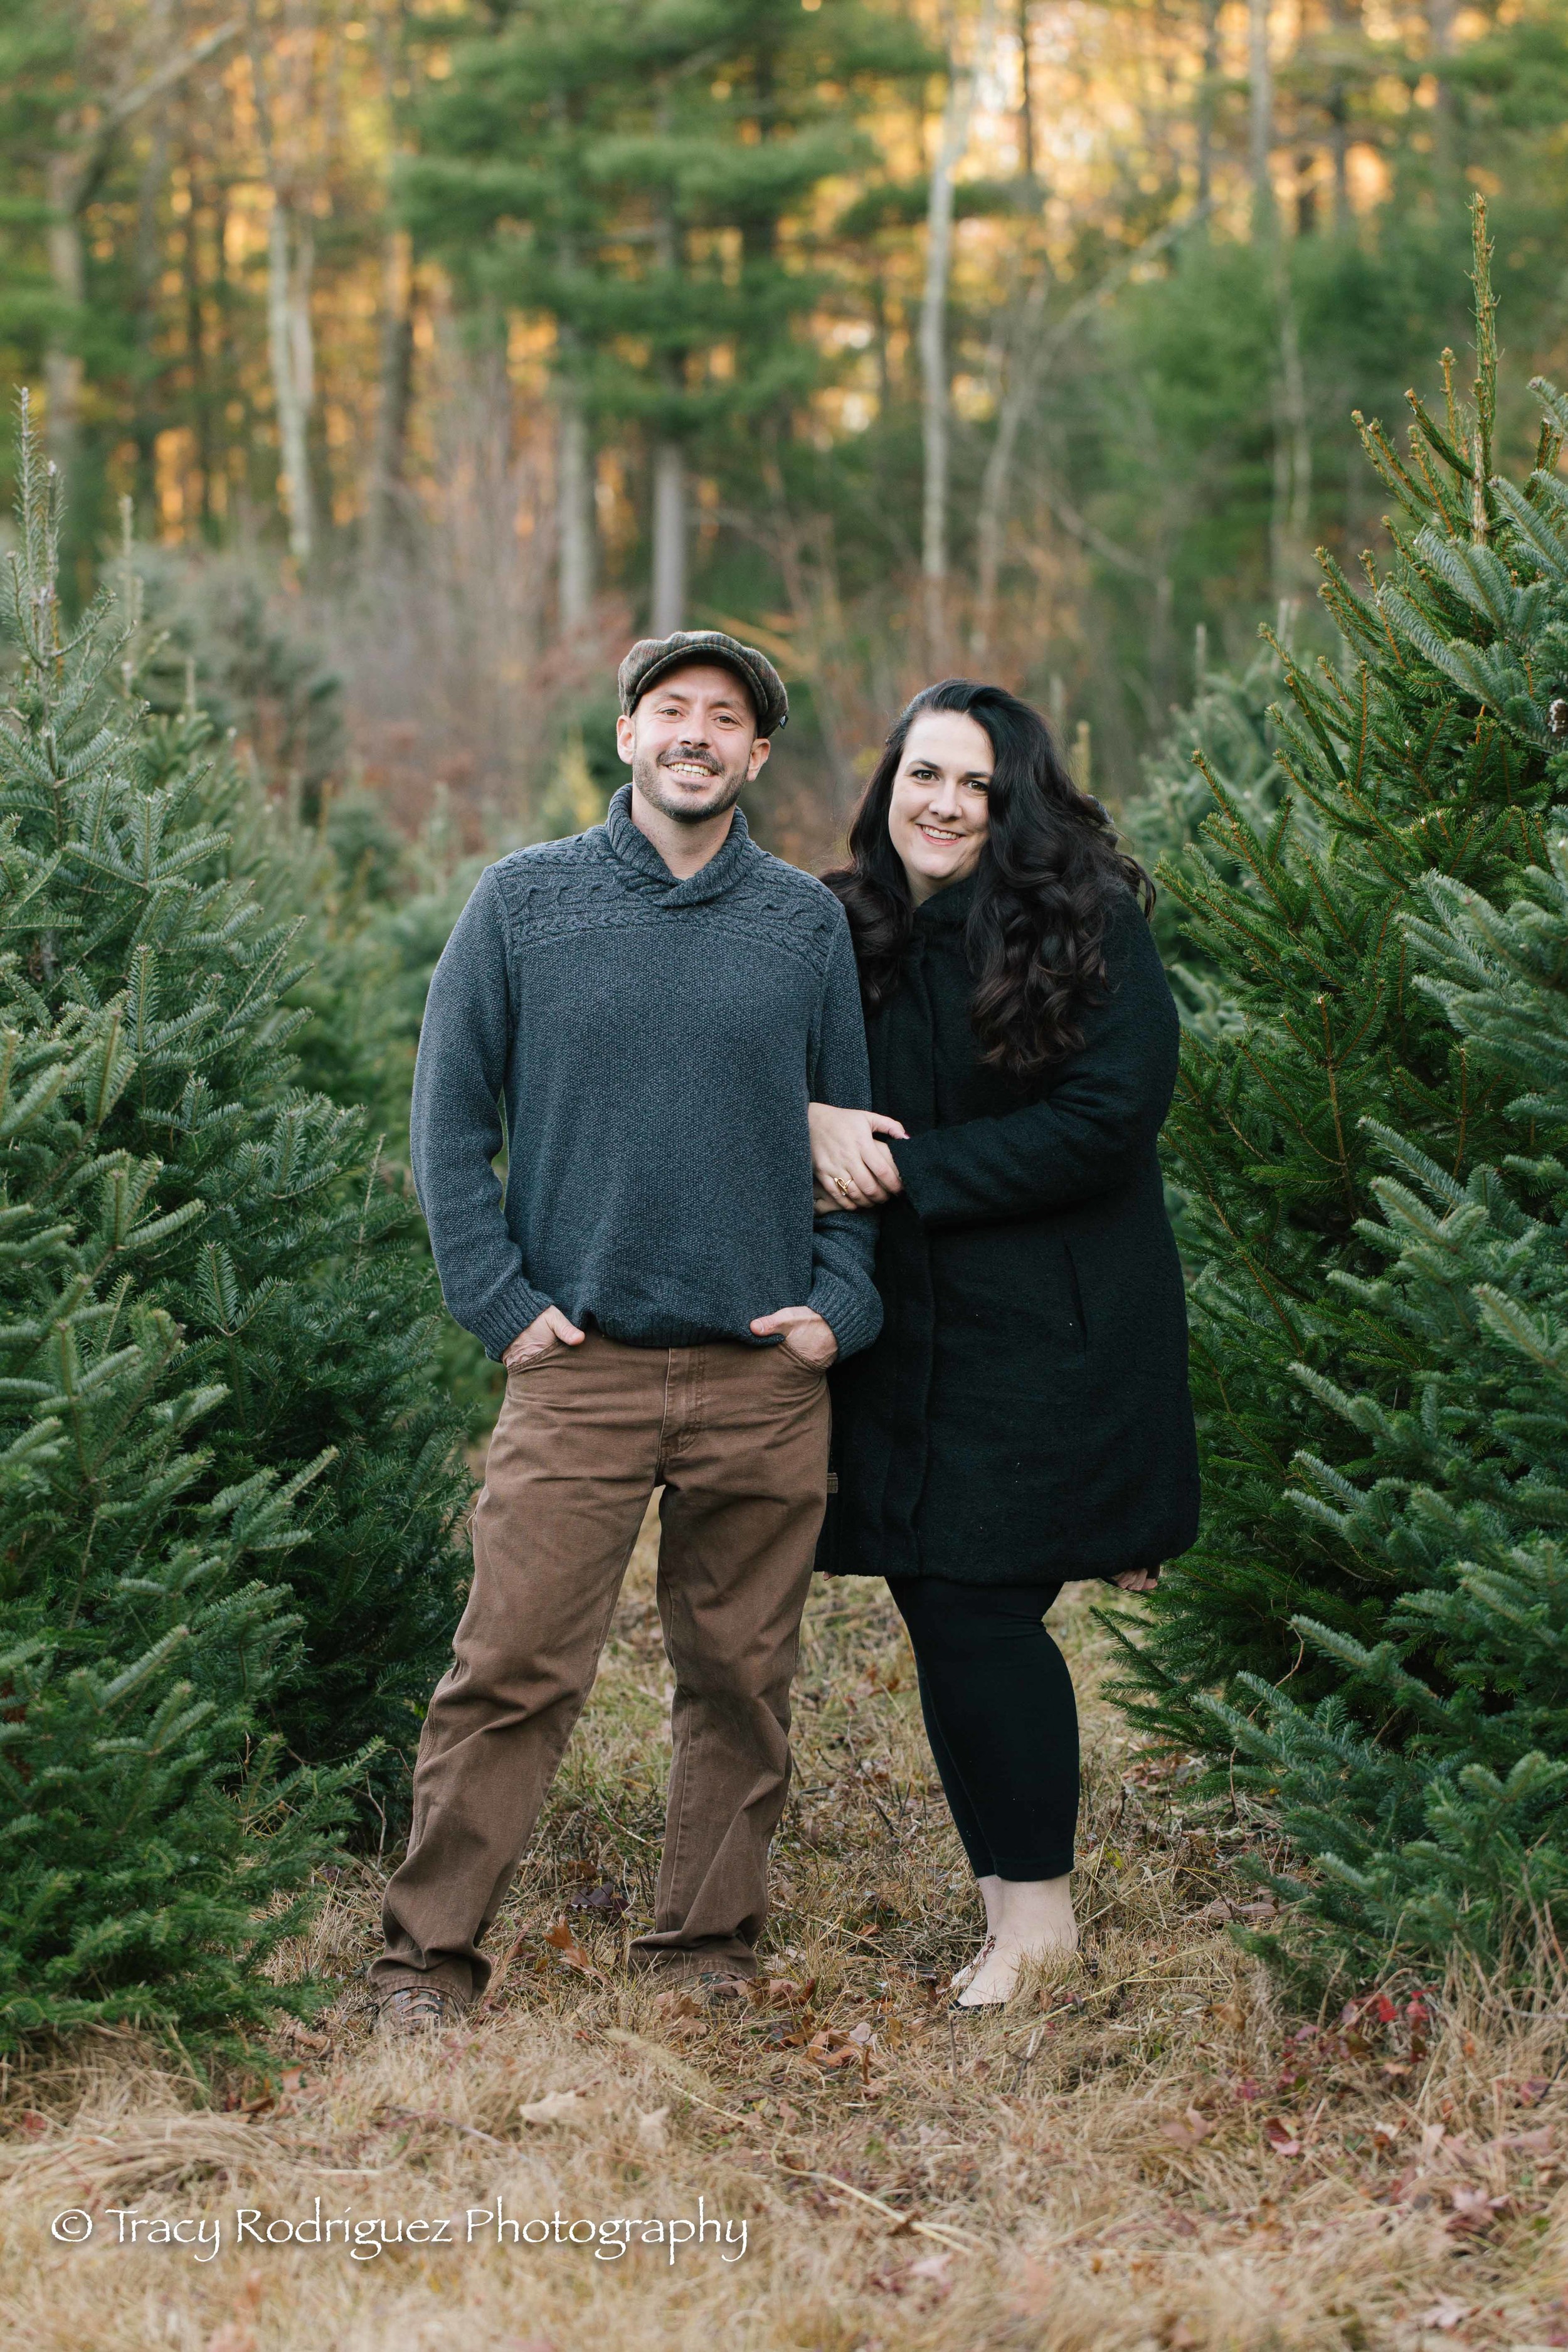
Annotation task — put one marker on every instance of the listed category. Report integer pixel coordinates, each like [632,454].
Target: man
[653,1004]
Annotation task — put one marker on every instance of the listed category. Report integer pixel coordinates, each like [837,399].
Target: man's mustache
[690,759]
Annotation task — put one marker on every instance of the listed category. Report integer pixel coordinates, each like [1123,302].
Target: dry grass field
[1144,2152]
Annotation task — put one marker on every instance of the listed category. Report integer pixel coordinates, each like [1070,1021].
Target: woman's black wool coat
[1025,1416]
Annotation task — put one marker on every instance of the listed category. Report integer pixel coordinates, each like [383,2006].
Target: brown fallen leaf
[779,1992]
[1283,2136]
[830,2049]
[565,1943]
[302,2038]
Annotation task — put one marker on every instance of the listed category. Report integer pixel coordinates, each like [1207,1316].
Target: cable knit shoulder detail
[560,890]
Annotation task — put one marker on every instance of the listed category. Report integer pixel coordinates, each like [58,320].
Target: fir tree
[288,1259]
[1429,749]
[154,1855]
[1224,732]
[1452,1831]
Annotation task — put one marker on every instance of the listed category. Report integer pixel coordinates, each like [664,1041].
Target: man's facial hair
[646,776]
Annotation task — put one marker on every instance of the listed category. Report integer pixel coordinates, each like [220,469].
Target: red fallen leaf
[1248,2089]
[34,2124]
[1530,2094]
[1384,2010]
[564,1942]
[1530,2143]
[1282,2136]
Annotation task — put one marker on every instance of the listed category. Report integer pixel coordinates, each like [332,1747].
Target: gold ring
[844,1187]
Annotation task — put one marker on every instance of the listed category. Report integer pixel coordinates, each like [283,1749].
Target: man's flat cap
[652,658]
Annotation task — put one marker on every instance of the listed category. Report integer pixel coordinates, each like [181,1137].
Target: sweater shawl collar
[636,852]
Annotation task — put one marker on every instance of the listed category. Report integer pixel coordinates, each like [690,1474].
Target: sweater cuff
[506,1316]
[852,1311]
[923,1187]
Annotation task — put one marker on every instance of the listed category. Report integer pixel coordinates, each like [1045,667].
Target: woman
[1024,1420]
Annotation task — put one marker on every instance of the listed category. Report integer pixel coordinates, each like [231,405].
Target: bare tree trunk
[1025,365]
[287,331]
[1259,116]
[669,601]
[574,509]
[991,522]
[1208,89]
[933,340]
[395,395]
[62,366]
[73,173]
[666,601]
[1343,22]
[289,262]
[1290,513]
[1440,16]
[1026,96]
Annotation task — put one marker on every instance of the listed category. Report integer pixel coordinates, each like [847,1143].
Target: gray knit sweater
[654,1044]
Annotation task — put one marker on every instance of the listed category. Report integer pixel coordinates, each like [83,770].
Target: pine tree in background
[290,1262]
[628,173]
[1428,750]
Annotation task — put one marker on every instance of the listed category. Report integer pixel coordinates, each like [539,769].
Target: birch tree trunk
[1259,116]
[62,365]
[932,338]
[290,263]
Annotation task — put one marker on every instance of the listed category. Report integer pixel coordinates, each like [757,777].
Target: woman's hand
[1139,1579]
[849,1168]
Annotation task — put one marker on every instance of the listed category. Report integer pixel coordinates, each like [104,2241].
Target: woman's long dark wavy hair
[1047,877]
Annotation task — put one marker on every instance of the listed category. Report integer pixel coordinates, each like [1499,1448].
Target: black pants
[1000,1718]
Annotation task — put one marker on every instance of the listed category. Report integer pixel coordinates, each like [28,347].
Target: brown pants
[737,1436]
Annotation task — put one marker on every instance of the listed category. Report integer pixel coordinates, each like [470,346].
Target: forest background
[439,350]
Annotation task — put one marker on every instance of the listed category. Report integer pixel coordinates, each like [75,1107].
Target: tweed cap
[652,658]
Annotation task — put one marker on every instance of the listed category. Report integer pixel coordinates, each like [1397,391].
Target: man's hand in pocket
[551,1325]
[806,1335]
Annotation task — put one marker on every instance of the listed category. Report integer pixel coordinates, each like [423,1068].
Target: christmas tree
[1452,1831]
[1428,759]
[287,1259]
[154,1856]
